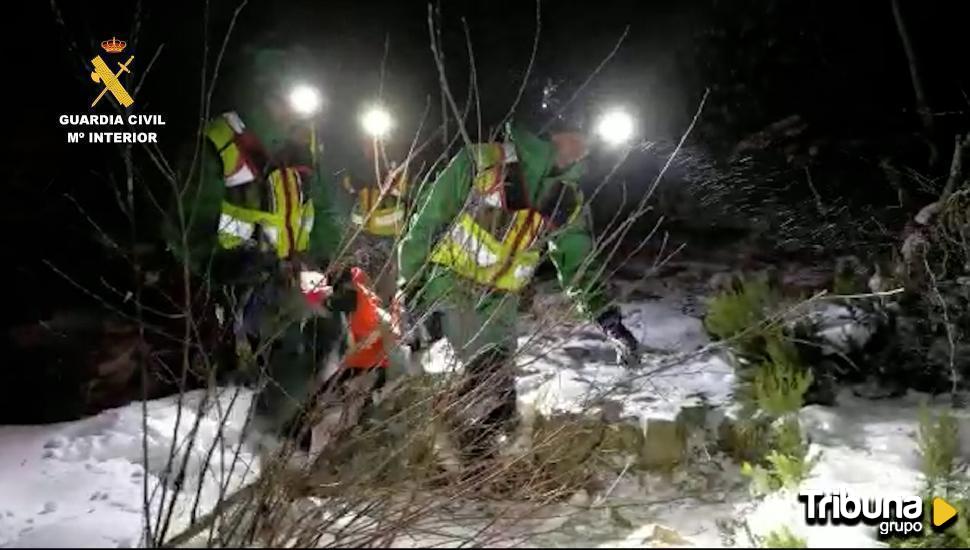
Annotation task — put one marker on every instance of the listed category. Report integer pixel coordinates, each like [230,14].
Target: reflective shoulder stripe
[389,219]
[222,132]
[580,201]
[524,272]
[473,246]
[239,177]
[246,214]
[308,217]
[236,227]
[508,150]
[494,199]
[272,234]
[234,121]
[486,155]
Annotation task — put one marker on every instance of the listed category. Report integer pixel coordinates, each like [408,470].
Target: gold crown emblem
[114,45]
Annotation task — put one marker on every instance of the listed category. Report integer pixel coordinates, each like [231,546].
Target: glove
[628,348]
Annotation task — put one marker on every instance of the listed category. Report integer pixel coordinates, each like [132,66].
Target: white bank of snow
[869,448]
[81,483]
[572,367]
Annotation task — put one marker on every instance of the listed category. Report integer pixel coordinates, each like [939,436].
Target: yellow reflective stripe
[486,155]
[289,219]
[471,251]
[229,241]
[525,228]
[247,214]
[233,231]
[221,134]
[287,193]
[455,258]
[388,216]
[376,220]
[476,242]
[279,215]
[306,226]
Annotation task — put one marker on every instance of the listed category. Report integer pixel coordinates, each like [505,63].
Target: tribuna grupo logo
[897,516]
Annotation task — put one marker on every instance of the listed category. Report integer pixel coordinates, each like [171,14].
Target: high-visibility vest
[376,216]
[500,255]
[286,226]
[366,340]
[381,216]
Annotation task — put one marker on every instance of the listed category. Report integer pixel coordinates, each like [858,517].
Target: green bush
[783,538]
[778,390]
[954,536]
[780,382]
[938,440]
[771,385]
[746,439]
[787,464]
[739,314]
[781,471]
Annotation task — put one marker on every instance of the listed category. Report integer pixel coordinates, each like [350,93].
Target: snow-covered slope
[867,447]
[81,483]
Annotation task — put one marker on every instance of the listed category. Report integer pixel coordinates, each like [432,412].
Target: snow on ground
[580,369]
[81,483]
[868,448]
[570,367]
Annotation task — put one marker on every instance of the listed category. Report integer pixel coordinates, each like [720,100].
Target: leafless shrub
[384,477]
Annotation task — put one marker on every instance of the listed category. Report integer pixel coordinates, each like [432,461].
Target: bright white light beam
[377,122]
[615,127]
[305,100]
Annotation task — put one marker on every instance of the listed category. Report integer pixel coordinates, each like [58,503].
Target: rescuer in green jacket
[259,184]
[258,212]
[474,242]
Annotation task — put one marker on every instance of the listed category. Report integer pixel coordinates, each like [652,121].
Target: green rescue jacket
[206,198]
[535,196]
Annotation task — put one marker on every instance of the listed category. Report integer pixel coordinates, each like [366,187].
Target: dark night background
[839,65]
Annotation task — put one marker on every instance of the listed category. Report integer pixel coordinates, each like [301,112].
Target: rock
[725,281]
[825,384]
[580,499]
[874,388]
[838,328]
[617,519]
[664,443]
[664,537]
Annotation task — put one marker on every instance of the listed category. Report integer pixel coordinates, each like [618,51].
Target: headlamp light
[376,121]
[305,100]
